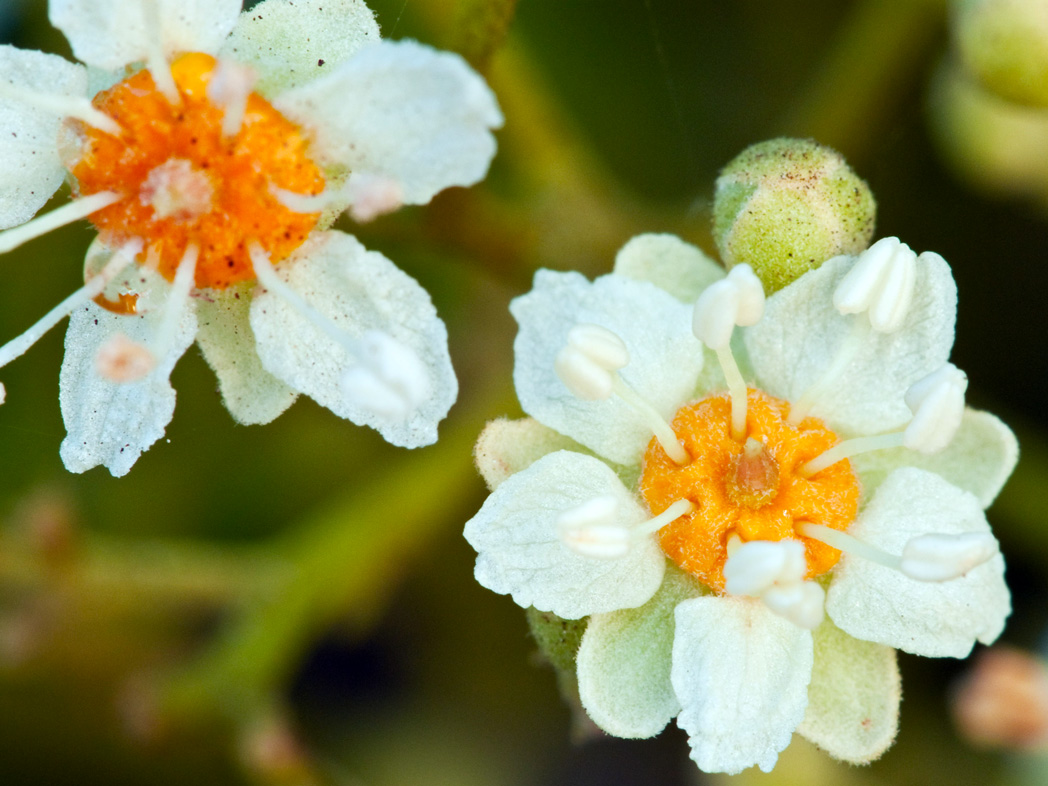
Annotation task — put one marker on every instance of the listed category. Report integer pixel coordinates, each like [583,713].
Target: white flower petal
[251,394]
[405,112]
[30,168]
[360,291]
[669,263]
[741,674]
[505,447]
[110,34]
[942,619]
[665,357]
[289,42]
[853,699]
[520,554]
[798,338]
[978,460]
[623,663]
[112,423]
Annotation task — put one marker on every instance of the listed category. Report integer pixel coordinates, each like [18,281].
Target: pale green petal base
[505,447]
[853,699]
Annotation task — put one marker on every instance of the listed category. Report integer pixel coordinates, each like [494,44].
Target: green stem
[482,28]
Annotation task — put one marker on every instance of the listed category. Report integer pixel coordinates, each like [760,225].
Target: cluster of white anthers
[212,149]
[750,568]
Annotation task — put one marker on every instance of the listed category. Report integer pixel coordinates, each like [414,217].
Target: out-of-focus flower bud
[785,206]
[1003,701]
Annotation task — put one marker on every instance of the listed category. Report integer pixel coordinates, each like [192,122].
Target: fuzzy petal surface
[520,553]
[359,290]
[801,332]
[934,619]
[505,447]
[30,167]
[290,42]
[741,674]
[978,460]
[669,263]
[108,423]
[853,699]
[665,357]
[252,395]
[110,34]
[624,659]
[402,111]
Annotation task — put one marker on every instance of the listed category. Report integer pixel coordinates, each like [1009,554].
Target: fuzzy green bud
[785,206]
[1004,43]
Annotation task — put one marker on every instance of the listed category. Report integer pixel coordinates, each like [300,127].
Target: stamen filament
[78,107]
[737,390]
[681,507]
[307,203]
[659,427]
[860,329]
[176,300]
[67,214]
[849,448]
[847,543]
[94,287]
[156,60]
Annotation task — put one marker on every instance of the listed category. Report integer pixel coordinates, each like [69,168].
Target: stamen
[755,566]
[880,283]
[851,447]
[856,337]
[588,367]
[802,603]
[94,287]
[230,86]
[737,299]
[78,107]
[592,530]
[156,60]
[932,558]
[308,203]
[67,214]
[937,404]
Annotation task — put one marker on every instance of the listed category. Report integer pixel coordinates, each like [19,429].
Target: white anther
[943,557]
[587,364]
[600,345]
[802,603]
[3,393]
[592,530]
[937,403]
[372,196]
[737,299]
[388,378]
[122,360]
[881,282]
[759,564]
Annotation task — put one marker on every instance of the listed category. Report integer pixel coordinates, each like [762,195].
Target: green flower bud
[1004,43]
[785,206]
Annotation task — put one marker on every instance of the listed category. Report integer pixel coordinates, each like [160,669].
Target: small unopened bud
[592,529]
[759,564]
[388,378]
[122,360]
[372,196]
[937,404]
[881,282]
[938,557]
[785,206]
[737,299]
[802,603]
[1003,701]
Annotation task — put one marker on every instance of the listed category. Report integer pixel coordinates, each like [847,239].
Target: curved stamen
[78,107]
[230,87]
[851,447]
[662,430]
[592,529]
[156,60]
[59,217]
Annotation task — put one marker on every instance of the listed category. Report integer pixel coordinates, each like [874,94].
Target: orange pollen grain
[184,182]
[752,489]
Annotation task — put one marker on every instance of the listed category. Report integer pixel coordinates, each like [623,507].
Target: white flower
[713,614]
[212,149]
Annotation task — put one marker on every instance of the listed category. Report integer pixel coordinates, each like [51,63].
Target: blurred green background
[295,604]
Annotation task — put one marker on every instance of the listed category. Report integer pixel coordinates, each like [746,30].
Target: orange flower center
[752,489]
[186,182]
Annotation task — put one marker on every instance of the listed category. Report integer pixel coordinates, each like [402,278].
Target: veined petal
[801,332]
[251,394]
[669,263]
[30,169]
[360,291]
[520,554]
[935,619]
[665,357]
[624,661]
[111,423]
[289,42]
[741,674]
[402,111]
[978,460]
[853,699]
[110,34]
[505,447]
